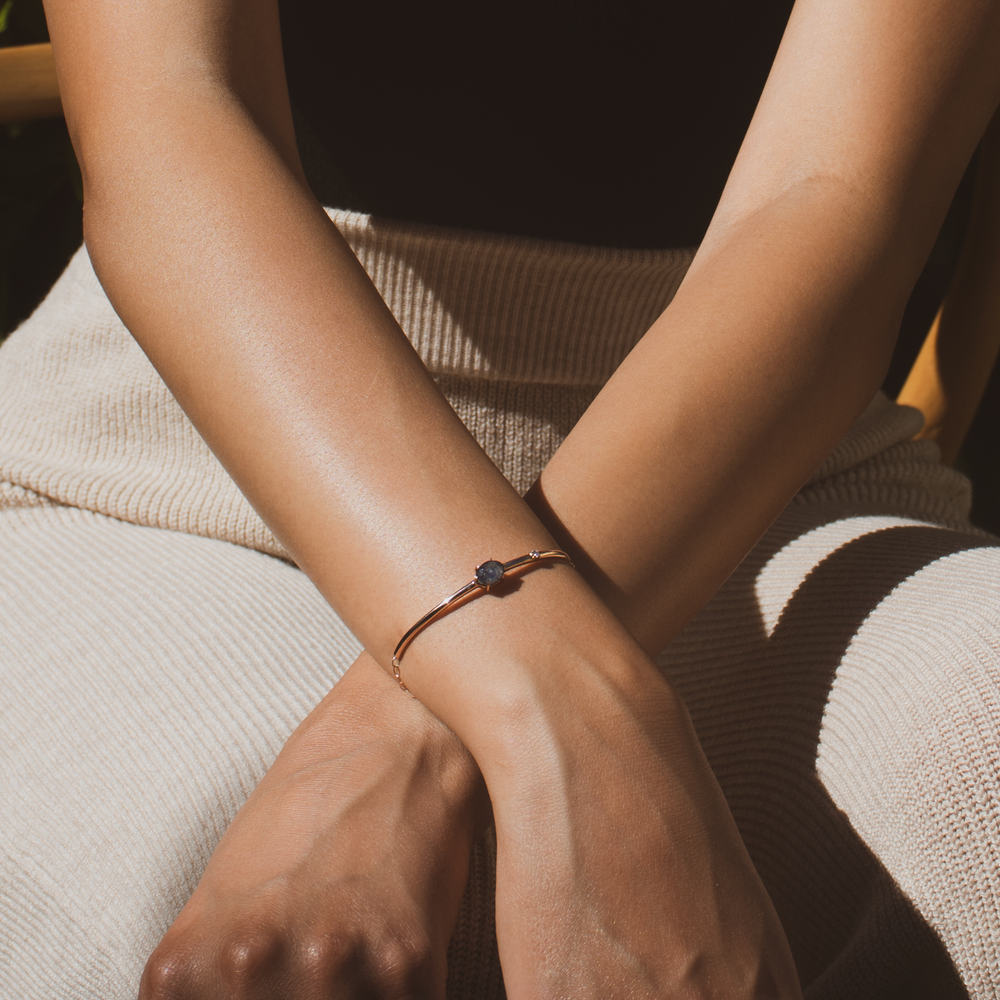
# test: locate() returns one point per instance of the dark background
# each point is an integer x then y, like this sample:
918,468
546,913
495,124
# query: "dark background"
40,193
41,227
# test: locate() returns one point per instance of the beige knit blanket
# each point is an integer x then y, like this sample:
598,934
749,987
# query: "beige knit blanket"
844,681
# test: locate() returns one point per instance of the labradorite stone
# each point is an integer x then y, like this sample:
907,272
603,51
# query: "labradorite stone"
489,573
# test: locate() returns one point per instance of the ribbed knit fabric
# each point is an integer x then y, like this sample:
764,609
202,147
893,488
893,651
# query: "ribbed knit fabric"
845,681
501,321
845,684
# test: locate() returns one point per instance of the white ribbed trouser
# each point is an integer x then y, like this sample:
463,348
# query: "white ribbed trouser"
155,650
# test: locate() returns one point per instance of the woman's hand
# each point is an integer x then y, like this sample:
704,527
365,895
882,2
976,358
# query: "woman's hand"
342,874
620,872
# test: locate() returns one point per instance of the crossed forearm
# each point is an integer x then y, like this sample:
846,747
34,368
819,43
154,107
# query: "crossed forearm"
729,403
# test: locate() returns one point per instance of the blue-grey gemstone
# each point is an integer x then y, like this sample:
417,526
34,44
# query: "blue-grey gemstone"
489,573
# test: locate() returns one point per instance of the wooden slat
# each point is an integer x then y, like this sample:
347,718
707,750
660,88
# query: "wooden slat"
950,374
28,87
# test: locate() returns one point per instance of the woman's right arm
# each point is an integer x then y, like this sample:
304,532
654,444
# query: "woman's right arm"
261,321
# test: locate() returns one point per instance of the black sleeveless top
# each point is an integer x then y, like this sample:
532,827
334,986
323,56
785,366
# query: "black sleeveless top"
593,122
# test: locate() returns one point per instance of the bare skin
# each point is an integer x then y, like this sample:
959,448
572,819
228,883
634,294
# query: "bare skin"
271,336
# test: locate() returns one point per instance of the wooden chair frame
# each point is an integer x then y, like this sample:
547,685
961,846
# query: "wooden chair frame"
28,86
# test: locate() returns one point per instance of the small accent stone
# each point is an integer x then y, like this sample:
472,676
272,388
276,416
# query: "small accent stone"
489,573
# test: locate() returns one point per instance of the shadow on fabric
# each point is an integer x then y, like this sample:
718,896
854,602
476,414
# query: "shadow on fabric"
758,704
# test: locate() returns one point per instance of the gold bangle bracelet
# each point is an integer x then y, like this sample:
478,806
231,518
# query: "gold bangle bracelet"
488,574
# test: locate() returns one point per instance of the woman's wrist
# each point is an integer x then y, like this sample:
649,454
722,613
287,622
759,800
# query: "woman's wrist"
533,657
365,710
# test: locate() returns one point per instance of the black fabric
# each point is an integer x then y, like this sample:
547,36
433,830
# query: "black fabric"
593,122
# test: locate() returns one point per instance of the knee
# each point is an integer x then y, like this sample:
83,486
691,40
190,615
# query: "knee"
909,744
912,722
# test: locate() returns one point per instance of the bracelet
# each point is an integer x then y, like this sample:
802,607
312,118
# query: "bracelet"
488,574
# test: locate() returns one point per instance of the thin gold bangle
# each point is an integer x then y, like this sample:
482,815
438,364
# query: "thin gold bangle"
488,574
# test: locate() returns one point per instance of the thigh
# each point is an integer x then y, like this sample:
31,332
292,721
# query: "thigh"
846,686
910,744
148,679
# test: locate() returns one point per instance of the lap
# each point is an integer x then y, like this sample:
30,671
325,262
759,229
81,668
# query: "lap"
845,683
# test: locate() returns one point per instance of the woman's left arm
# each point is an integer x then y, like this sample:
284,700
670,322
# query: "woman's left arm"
783,328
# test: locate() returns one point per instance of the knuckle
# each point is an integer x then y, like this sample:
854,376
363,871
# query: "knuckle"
395,967
168,975
250,952
329,955
400,965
